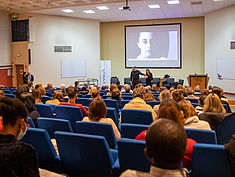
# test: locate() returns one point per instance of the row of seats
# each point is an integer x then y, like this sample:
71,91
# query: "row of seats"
90,155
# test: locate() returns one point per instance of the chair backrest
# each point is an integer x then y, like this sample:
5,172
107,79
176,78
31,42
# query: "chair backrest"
7,91
112,103
44,110
70,113
143,80
106,96
86,155
123,102
156,80
225,107
31,122
40,140
153,103
170,80
202,136
53,125
84,101
127,97
210,160
66,99
225,129
194,104
87,96
131,155
127,80
126,94
132,130
45,98
112,113
192,100
97,128
136,116
10,95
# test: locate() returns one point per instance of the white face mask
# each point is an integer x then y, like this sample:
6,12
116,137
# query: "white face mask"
21,134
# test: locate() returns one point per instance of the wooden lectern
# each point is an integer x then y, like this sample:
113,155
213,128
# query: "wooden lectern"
201,80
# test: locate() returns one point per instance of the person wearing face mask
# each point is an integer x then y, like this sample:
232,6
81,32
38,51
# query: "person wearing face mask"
16,158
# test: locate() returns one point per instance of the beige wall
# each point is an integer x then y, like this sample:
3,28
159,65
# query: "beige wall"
113,47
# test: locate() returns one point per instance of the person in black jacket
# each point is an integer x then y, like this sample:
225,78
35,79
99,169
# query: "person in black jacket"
149,77
135,77
230,148
25,78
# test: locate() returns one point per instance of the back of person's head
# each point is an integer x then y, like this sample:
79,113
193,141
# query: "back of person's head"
127,88
179,86
189,91
138,85
76,83
49,84
149,97
162,88
205,92
187,109
40,84
42,90
28,100
71,91
170,109
94,92
165,94
154,87
197,88
36,86
1,93
212,103
62,87
166,144
58,95
11,110
177,95
37,94
210,87
97,110
86,85
202,99
22,89
139,92
115,94
218,91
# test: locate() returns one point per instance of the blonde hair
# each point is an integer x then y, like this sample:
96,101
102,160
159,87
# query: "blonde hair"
164,95
212,103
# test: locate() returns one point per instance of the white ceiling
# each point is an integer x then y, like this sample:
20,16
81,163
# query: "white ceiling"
139,8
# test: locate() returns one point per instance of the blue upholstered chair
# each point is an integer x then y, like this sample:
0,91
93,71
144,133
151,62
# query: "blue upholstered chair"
7,91
153,103
30,121
10,95
87,96
126,97
192,100
97,128
194,104
112,113
131,155
202,136
85,155
143,80
53,125
106,96
66,99
45,110
210,160
126,94
45,98
84,101
112,103
70,113
225,129
41,141
136,116
225,107
123,102
132,130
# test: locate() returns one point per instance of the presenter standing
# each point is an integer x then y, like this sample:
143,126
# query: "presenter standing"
135,77
149,77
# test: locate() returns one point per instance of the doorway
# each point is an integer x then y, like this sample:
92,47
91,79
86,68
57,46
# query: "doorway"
19,74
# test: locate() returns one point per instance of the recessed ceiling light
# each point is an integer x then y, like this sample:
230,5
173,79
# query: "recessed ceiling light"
154,6
102,7
173,2
67,10
217,0
120,8
89,11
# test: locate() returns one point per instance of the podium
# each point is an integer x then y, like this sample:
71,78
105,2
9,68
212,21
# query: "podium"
201,80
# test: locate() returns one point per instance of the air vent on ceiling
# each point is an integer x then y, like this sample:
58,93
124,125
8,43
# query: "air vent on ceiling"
232,45
196,3
62,48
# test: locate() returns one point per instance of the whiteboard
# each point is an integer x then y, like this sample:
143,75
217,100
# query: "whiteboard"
73,68
226,68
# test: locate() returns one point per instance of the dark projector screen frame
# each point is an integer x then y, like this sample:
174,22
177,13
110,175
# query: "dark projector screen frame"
179,49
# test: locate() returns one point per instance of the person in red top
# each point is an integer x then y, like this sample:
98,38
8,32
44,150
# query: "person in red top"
72,94
169,109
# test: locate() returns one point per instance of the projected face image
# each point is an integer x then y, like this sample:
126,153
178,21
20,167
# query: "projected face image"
144,45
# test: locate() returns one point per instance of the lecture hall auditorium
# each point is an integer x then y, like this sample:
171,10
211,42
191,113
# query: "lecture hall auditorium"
69,105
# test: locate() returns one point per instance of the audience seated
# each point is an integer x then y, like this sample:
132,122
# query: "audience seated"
37,96
112,87
191,119
199,108
169,109
138,103
22,89
127,89
230,148
165,147
149,97
154,88
189,93
49,87
197,89
212,103
177,95
97,113
116,95
56,99
29,102
72,94
17,158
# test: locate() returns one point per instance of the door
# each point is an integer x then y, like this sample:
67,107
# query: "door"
19,74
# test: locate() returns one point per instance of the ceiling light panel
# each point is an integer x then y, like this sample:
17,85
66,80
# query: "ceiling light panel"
67,10
173,2
154,6
102,7
89,11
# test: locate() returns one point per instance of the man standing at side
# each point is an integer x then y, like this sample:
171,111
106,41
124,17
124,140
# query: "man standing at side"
165,148
135,77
